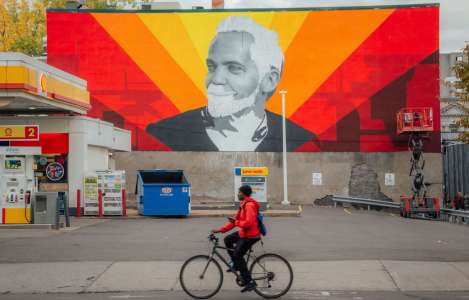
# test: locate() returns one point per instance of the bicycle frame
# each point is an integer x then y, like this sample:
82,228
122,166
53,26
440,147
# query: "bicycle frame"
215,253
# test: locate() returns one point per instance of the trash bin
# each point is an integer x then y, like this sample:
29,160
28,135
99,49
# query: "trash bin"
163,193
44,207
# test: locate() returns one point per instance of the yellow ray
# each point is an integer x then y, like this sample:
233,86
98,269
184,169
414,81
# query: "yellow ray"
201,27
287,24
172,35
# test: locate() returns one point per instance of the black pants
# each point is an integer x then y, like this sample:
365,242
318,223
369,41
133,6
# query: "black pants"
240,246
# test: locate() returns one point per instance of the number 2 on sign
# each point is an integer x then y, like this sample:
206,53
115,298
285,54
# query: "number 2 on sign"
31,132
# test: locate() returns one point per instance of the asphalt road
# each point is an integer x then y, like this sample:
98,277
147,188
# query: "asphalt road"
319,234
293,295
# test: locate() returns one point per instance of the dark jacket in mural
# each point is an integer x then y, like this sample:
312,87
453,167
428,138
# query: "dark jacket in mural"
186,132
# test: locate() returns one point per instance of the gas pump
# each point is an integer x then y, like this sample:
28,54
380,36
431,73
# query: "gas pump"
16,185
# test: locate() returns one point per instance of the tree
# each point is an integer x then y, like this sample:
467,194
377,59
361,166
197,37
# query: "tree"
462,73
23,22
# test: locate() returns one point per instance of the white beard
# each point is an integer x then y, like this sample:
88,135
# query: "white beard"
222,103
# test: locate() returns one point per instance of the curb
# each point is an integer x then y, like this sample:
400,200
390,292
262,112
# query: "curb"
207,213
228,213
27,226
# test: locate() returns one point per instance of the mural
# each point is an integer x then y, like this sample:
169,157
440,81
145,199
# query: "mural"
210,81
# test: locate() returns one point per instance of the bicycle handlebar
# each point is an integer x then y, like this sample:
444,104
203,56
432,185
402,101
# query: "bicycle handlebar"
212,237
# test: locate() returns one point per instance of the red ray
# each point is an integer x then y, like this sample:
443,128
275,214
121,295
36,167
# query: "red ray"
118,87
397,45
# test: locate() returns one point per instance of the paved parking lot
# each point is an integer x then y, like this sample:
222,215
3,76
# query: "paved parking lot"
321,233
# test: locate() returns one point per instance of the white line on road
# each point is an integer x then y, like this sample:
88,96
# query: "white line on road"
129,296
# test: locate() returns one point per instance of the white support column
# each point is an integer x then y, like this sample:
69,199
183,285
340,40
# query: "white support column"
77,159
284,136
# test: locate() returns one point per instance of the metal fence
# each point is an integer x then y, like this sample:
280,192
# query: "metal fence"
365,202
455,171
450,215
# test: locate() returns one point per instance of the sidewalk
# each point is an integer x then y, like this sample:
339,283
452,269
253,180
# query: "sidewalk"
276,211
366,275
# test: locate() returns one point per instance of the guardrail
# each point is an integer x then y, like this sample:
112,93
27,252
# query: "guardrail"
451,215
363,201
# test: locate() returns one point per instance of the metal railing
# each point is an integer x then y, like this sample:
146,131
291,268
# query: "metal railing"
363,201
451,215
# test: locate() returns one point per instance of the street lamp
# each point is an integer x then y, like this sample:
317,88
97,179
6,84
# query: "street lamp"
284,136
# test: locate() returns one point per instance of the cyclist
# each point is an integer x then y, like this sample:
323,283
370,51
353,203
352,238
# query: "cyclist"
243,239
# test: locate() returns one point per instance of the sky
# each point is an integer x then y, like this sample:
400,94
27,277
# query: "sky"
454,14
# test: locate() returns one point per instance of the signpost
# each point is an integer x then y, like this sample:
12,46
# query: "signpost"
256,177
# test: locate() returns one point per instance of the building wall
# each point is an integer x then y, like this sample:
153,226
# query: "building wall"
98,158
347,72
451,108
211,173
447,75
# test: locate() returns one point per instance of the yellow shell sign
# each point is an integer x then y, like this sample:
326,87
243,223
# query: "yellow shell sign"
43,82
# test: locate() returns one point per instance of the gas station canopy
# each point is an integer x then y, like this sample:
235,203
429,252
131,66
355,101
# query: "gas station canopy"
29,86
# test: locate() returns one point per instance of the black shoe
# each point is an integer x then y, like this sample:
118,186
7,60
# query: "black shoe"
249,287
231,270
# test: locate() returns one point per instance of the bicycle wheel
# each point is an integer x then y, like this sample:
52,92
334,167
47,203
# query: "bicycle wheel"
273,275
201,277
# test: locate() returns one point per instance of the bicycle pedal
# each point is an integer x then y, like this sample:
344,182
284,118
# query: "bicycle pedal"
240,282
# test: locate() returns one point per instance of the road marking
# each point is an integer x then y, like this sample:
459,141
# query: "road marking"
129,296
347,211
325,294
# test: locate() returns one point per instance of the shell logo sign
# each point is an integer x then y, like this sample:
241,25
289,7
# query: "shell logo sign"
218,3
43,83
19,133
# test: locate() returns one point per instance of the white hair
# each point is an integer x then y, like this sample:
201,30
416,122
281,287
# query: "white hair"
265,50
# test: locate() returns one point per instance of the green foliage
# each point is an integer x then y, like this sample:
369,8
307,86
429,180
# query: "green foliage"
23,22
462,73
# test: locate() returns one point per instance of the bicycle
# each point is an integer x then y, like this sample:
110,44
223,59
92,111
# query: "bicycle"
201,276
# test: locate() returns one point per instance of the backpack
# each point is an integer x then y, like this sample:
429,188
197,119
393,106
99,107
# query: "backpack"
260,223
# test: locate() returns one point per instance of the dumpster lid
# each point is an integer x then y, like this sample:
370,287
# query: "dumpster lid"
160,176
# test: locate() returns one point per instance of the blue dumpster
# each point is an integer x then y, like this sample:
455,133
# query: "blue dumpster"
163,193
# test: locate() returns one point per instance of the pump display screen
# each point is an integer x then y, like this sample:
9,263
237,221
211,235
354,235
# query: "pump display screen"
13,164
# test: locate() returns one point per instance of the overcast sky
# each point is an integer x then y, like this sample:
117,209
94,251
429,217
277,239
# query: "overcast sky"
454,14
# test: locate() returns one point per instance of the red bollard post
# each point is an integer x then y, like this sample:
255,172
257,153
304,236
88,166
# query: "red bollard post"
78,212
124,203
100,204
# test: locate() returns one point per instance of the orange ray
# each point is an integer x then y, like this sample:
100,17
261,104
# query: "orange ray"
145,50
325,40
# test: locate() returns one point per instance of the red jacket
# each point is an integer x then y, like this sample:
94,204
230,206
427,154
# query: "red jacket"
245,219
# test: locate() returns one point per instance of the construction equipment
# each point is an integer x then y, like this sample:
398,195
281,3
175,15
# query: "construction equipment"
417,123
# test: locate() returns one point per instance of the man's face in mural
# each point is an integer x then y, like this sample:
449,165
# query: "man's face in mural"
233,77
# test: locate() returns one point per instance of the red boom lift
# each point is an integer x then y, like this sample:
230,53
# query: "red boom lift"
417,123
